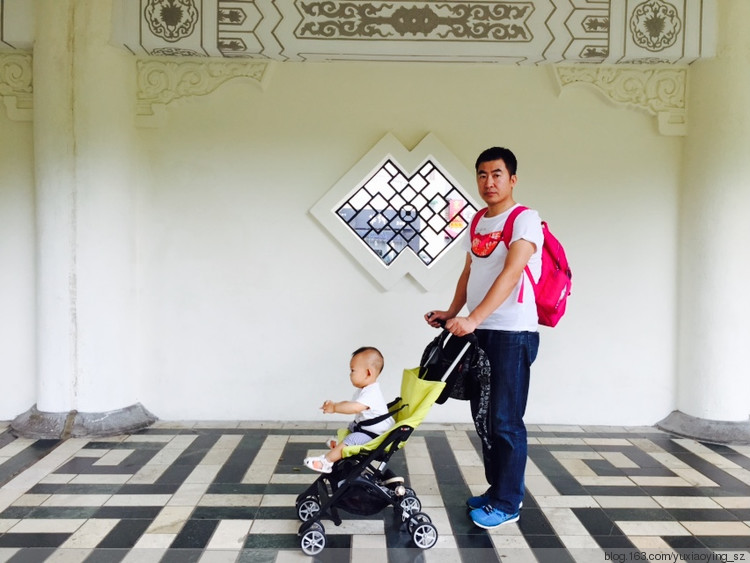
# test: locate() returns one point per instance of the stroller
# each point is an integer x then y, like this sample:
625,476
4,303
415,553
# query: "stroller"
361,482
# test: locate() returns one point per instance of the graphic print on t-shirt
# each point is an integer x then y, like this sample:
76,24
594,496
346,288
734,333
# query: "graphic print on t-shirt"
483,245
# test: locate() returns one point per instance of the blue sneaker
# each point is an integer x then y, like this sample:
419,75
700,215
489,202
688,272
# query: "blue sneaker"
489,517
478,502
483,500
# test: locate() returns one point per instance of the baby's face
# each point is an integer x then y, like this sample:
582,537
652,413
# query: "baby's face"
359,371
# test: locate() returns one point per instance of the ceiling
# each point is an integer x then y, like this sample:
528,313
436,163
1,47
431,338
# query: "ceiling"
520,32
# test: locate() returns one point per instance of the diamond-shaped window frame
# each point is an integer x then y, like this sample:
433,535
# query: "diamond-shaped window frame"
389,148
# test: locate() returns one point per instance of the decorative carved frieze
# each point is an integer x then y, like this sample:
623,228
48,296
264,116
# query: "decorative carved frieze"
16,85
658,91
160,81
646,35
519,32
512,32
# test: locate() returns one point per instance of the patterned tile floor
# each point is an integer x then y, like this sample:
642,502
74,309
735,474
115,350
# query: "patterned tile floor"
216,493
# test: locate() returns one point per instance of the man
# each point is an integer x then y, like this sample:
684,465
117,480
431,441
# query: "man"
502,313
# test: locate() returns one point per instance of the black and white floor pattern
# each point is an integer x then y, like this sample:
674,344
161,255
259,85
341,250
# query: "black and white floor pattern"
225,492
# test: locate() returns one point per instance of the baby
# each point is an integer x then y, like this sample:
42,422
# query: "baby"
366,404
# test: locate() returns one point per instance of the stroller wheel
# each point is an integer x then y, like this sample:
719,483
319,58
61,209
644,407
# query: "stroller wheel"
424,535
307,508
313,541
415,520
409,505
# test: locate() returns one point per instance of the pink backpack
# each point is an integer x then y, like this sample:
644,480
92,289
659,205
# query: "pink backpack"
552,289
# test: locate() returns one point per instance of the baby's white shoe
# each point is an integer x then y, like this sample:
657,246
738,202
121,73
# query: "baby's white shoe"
318,463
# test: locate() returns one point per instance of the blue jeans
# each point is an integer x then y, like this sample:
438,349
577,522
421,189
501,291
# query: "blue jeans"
511,355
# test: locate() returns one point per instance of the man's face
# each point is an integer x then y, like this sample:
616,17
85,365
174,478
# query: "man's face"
494,182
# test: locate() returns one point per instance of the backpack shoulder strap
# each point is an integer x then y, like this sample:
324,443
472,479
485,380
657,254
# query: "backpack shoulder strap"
509,222
507,235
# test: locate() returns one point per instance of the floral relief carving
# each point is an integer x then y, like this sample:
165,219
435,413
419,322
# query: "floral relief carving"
16,84
659,91
174,52
161,82
231,16
655,25
171,20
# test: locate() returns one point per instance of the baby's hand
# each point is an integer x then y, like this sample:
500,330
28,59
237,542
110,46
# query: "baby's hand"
328,407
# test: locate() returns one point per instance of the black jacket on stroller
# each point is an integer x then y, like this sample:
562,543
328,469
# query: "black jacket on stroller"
467,380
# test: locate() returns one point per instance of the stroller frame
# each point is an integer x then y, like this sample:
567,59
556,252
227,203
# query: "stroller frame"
368,471
365,470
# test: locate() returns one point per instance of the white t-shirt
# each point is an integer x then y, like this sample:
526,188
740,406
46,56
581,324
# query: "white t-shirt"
372,396
511,315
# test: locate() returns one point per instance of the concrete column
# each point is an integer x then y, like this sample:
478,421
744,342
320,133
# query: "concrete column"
84,150
55,177
714,306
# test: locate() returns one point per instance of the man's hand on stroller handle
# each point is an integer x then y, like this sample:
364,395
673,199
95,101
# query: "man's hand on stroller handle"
437,318
459,326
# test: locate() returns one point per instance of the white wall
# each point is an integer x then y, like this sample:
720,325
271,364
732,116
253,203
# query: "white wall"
248,309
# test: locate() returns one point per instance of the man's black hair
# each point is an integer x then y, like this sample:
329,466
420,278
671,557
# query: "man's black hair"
499,153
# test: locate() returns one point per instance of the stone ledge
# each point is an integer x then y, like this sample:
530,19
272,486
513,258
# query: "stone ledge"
61,425
703,430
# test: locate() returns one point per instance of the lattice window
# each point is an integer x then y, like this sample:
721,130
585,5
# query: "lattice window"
400,212
392,213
